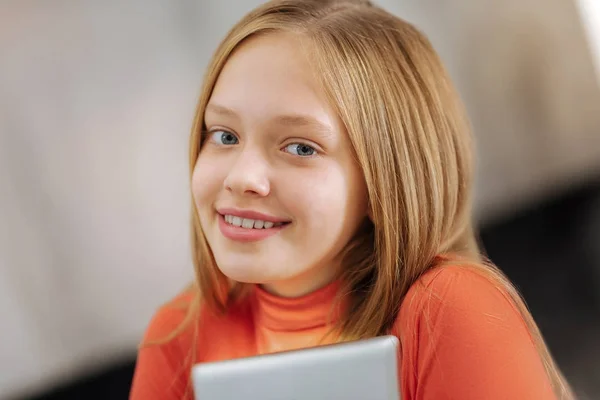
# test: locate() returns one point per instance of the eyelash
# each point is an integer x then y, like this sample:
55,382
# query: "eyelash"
210,136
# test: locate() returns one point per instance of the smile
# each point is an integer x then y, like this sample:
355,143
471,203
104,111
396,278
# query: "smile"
248,223
248,226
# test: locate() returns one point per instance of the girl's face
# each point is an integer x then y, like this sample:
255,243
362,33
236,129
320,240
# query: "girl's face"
276,186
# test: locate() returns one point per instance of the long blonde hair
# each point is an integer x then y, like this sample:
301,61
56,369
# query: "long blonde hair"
412,141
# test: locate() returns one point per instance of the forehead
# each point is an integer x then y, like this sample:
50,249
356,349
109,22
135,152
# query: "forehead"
271,75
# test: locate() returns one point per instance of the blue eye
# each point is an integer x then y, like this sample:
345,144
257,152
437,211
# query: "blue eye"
224,138
300,149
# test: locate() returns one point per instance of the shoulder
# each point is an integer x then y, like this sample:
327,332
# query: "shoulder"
171,318
463,336
182,333
461,291
163,359
186,326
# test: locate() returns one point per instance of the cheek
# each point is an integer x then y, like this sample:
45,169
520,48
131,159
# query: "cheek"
207,178
323,199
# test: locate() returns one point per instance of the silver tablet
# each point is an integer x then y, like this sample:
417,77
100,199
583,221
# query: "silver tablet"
360,370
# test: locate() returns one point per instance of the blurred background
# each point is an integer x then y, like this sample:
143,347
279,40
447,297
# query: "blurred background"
96,103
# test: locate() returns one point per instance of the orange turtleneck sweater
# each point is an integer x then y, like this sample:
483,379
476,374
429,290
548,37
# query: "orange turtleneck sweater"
461,338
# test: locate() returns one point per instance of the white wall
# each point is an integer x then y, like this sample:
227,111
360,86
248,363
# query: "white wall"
589,12
96,101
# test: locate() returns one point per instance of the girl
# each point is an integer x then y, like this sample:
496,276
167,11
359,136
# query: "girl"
331,181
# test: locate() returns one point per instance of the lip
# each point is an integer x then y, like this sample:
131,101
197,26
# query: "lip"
244,235
250,215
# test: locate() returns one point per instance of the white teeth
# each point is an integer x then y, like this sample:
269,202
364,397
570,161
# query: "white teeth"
250,223
237,221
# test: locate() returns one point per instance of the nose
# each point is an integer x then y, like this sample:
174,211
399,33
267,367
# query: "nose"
248,175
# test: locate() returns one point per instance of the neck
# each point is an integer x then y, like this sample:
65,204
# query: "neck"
301,285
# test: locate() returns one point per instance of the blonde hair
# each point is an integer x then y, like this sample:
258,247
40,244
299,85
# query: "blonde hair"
412,141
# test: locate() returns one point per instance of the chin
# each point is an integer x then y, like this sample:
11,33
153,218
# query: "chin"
254,273
242,273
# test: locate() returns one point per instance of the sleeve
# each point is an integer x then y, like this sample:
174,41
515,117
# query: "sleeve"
468,341
162,370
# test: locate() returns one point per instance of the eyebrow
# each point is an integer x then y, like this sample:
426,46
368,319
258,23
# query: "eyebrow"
291,120
220,110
